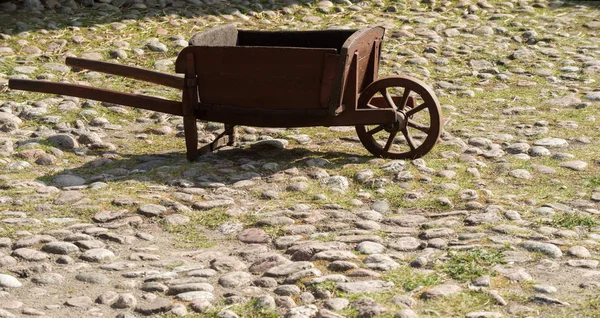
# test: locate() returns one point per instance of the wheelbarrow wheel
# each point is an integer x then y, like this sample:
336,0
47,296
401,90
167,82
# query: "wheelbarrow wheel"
419,122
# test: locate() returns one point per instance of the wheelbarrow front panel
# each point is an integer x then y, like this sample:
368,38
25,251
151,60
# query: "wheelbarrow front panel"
261,77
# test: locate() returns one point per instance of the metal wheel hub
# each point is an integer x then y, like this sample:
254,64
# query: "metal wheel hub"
399,124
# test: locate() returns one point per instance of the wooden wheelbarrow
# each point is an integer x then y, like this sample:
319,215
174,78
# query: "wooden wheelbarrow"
281,79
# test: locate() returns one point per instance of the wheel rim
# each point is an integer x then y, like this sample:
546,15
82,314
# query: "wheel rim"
419,124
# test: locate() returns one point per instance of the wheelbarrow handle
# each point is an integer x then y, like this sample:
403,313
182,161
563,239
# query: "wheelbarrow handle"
127,71
135,100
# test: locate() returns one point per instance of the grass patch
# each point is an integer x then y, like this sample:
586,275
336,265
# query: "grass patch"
471,264
410,279
572,220
594,182
460,304
189,236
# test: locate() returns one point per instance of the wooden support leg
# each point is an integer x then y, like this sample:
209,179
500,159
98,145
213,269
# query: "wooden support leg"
190,105
226,138
191,137
231,134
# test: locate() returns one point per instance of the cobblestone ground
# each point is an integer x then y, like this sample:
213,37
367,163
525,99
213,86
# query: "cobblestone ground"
102,216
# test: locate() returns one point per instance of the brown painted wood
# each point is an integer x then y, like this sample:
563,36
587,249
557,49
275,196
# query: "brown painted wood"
361,42
295,118
127,71
190,105
99,94
258,77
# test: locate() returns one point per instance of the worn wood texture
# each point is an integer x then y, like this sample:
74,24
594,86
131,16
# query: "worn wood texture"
99,94
127,71
258,77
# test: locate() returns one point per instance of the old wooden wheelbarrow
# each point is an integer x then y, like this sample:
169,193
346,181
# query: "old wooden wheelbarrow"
281,79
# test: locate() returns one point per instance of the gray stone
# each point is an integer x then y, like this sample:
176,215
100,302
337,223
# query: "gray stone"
368,286
302,312
235,279
125,300
80,302
30,254
595,96
287,269
68,180
92,278
441,291
551,142
336,303
545,248
98,255
405,244
576,165
155,306
62,248
7,281
406,313
195,295
579,251
151,210
570,100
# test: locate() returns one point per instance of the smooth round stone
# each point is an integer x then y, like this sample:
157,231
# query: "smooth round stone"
98,255
520,174
151,210
287,290
30,254
576,165
235,279
48,279
92,278
551,142
67,180
544,210
579,251
545,289
126,300
336,303
80,302
8,281
538,151
545,248
368,247
62,248
196,295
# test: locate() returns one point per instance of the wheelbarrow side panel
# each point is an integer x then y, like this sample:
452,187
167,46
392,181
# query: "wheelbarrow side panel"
259,77
364,46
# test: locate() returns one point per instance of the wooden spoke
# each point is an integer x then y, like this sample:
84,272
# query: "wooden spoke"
376,130
418,126
388,98
404,99
416,109
390,141
409,139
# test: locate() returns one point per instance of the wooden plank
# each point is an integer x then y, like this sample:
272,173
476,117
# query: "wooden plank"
127,71
259,77
360,42
99,94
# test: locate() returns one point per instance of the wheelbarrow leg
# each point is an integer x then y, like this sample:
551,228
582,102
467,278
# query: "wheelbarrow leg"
191,137
226,138
190,105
